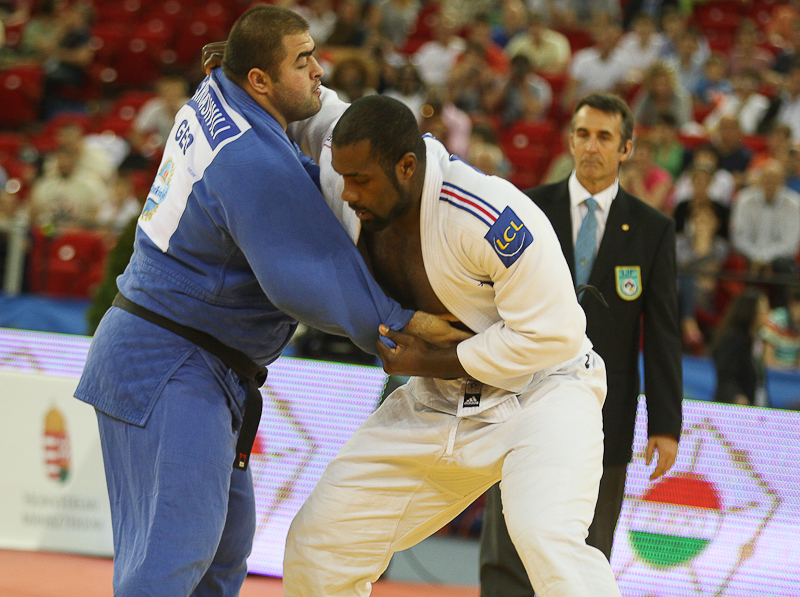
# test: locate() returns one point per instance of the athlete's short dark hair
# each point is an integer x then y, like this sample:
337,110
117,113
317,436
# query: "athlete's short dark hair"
609,103
389,126
256,41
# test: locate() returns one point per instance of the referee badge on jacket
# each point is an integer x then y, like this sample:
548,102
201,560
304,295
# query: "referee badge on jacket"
509,237
629,281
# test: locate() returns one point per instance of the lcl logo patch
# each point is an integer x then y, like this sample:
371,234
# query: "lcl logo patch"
509,237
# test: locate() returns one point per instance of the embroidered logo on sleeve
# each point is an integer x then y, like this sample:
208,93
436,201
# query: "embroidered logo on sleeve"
509,237
158,191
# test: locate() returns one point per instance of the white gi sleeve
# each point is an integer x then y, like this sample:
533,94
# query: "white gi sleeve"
541,322
311,136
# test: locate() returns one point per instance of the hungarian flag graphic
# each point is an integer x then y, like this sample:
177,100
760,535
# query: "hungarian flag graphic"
675,521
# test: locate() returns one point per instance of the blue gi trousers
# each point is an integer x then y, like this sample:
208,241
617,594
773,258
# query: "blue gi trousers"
183,518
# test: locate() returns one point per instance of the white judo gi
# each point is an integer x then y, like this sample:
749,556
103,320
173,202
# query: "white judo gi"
530,416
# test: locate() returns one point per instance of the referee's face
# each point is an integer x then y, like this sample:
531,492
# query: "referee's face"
596,145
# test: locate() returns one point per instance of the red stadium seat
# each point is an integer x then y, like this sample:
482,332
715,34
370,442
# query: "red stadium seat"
578,39
206,24
718,15
10,144
529,148
20,95
107,39
755,143
138,63
69,263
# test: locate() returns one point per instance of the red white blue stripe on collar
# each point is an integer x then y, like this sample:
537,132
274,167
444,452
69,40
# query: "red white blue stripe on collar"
470,203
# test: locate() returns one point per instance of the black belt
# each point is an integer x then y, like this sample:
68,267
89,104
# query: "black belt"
250,373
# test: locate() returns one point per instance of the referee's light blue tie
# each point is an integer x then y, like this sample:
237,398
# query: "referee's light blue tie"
586,245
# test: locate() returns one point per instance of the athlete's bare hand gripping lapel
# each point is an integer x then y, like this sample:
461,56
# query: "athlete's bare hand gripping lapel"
416,357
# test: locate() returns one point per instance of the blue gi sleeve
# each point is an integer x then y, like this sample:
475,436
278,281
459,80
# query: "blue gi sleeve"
302,257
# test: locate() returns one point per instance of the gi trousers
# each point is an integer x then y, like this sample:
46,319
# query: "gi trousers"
183,518
410,469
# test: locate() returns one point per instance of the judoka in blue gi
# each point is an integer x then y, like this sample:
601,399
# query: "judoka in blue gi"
236,241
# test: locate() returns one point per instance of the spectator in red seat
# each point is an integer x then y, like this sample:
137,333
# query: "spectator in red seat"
523,95
597,68
674,22
765,223
121,207
641,46
320,16
642,177
157,115
43,31
746,52
435,59
70,136
446,122
701,176
734,156
348,29
781,334
790,52
409,88
471,80
722,186
687,61
787,103
66,70
661,94
793,168
745,103
669,152
714,82
480,33
513,22
547,50
485,153
779,141
575,14
67,196
700,254
393,20
740,378
350,78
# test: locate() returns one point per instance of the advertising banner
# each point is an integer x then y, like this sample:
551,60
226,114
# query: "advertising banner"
53,492
726,520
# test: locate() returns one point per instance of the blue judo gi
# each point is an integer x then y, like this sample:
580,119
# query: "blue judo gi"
235,240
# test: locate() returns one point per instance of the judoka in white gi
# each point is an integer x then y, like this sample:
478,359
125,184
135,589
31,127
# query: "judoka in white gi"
524,404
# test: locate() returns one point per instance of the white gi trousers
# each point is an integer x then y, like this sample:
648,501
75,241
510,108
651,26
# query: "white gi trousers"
410,469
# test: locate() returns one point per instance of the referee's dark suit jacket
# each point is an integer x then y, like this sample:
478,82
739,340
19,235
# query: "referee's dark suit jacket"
636,235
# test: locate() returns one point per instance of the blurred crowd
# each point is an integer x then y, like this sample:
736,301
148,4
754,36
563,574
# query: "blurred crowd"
89,90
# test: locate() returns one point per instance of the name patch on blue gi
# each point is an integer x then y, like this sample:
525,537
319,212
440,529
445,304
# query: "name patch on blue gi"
509,237
216,123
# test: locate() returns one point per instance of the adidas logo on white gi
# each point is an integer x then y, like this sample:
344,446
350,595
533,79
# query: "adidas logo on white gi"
472,393
472,401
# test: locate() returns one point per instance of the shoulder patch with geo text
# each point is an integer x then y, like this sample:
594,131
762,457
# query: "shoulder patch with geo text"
509,237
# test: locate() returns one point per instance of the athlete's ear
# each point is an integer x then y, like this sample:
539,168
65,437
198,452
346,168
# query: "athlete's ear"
406,166
260,81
